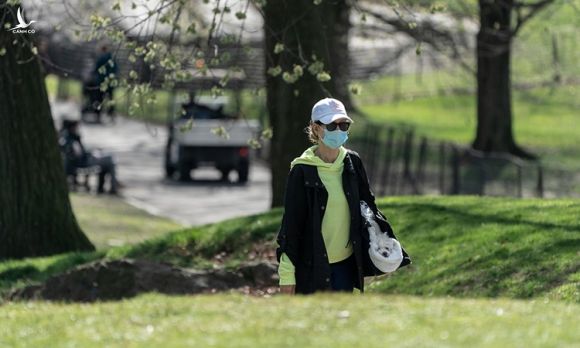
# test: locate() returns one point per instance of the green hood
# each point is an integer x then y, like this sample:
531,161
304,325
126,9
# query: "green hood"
309,158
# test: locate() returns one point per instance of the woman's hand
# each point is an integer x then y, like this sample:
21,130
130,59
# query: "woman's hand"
288,289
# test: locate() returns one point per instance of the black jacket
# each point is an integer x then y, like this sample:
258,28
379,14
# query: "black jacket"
300,235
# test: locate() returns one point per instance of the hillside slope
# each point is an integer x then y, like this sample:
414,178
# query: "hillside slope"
460,246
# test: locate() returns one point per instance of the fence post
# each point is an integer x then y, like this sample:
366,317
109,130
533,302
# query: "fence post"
384,179
519,181
540,187
366,141
455,184
407,155
372,155
482,174
366,154
442,168
398,157
421,165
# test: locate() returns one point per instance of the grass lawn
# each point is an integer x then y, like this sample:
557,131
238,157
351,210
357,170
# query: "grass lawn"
475,261
460,246
323,320
108,221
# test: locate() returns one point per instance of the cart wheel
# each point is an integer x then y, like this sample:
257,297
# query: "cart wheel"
225,174
184,173
243,171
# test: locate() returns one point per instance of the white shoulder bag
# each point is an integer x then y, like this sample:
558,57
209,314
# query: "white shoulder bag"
385,252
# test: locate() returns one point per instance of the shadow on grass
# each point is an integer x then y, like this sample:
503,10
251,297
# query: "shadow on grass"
472,218
508,256
37,270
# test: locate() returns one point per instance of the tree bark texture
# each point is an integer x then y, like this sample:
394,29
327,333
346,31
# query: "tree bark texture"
36,217
305,29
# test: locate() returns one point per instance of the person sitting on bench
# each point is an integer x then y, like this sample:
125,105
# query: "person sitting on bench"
76,156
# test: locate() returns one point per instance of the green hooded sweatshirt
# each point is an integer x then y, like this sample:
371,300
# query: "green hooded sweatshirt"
336,220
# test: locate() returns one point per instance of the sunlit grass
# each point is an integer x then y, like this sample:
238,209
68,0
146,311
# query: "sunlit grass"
460,246
324,320
109,221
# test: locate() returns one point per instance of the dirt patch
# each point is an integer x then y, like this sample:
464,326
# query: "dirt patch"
263,251
117,279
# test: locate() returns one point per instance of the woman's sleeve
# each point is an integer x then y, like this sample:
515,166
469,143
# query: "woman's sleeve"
294,218
286,271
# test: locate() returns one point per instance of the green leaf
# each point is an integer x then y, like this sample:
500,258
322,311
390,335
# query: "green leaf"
220,132
187,126
216,91
267,133
355,89
275,71
323,76
298,70
254,143
260,3
418,49
437,7
316,67
288,77
279,47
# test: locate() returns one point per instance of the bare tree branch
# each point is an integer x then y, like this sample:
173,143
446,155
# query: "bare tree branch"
424,31
533,8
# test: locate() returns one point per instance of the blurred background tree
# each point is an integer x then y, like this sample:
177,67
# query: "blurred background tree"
497,32
306,47
36,217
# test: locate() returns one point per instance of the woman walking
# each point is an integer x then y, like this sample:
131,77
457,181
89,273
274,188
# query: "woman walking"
321,246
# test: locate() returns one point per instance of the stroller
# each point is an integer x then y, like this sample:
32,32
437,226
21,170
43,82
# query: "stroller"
92,100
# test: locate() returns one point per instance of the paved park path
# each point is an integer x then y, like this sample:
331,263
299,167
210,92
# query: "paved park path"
138,149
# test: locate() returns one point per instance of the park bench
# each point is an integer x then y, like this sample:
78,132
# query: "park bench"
85,174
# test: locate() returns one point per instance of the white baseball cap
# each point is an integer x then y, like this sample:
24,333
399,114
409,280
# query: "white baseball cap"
329,110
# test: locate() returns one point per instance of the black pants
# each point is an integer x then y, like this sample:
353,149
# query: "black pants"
102,95
342,274
107,168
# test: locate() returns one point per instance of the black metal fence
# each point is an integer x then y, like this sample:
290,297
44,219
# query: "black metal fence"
400,162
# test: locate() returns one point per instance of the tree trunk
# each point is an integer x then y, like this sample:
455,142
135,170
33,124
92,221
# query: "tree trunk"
339,60
304,29
494,108
36,217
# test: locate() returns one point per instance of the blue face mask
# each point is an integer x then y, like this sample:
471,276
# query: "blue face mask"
335,138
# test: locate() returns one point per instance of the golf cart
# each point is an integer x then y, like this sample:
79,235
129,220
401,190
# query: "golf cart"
196,138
